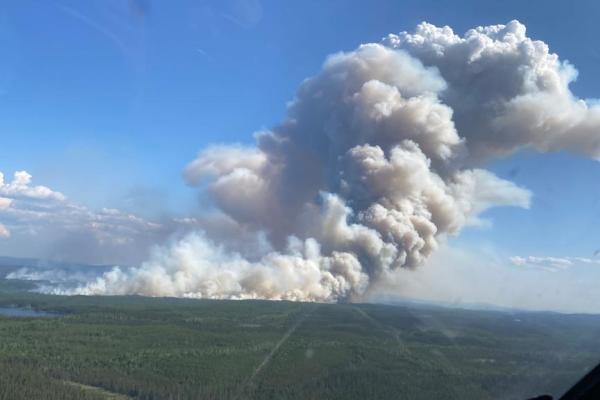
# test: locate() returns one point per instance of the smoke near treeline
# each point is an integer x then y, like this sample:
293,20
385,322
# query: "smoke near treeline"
381,156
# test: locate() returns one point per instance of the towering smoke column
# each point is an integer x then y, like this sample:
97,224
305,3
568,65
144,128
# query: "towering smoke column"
378,159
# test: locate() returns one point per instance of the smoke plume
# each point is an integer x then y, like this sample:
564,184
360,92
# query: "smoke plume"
380,157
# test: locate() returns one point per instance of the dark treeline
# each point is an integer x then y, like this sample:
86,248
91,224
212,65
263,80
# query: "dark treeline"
25,381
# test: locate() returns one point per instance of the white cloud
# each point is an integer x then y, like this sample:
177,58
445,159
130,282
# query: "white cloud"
5,202
4,232
41,222
20,187
551,263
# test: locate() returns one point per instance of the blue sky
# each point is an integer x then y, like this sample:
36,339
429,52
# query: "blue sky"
107,101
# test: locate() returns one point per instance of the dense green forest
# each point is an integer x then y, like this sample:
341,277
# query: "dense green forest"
150,348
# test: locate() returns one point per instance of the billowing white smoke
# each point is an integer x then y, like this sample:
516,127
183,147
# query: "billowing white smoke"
374,164
507,90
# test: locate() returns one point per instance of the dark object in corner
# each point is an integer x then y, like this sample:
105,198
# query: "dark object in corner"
588,388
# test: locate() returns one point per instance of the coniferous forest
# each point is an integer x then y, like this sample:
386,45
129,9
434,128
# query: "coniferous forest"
163,348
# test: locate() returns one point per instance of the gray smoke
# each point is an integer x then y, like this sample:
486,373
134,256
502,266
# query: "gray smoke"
507,91
378,160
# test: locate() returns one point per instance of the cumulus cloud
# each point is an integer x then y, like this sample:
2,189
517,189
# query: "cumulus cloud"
5,202
552,264
4,232
46,224
20,188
